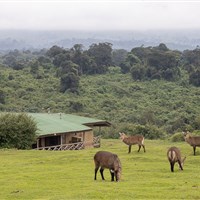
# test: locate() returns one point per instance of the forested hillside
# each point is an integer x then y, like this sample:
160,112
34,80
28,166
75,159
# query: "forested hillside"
149,90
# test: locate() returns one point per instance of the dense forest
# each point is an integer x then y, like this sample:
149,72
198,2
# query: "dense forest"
150,90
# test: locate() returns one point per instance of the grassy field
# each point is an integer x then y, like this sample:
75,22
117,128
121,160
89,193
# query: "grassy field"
61,175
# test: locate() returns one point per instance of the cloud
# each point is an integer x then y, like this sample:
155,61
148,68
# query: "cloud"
99,15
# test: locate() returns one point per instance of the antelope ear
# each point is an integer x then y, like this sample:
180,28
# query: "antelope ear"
120,133
184,133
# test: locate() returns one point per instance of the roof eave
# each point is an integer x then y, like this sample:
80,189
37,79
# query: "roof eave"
60,133
103,123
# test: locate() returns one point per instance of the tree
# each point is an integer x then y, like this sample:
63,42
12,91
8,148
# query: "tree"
61,58
79,57
77,51
2,97
133,59
162,47
102,55
119,56
138,72
141,53
43,60
69,81
169,74
18,65
194,78
69,66
87,65
55,50
17,131
192,57
9,60
125,67
76,106
34,67
158,63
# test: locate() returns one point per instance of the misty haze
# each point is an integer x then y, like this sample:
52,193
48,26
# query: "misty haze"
174,39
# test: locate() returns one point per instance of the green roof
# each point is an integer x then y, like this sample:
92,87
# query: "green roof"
63,123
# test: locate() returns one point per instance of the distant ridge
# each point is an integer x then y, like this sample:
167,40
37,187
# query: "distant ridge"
27,39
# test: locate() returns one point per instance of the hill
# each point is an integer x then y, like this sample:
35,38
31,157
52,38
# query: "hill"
149,90
116,97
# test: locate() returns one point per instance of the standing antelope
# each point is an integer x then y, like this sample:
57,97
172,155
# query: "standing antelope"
105,159
131,140
174,155
193,141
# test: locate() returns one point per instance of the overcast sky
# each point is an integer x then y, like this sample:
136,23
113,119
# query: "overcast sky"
99,15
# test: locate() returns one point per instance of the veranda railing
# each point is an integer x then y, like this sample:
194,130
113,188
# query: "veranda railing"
72,146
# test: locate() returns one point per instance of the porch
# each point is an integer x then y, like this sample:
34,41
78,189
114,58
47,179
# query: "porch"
72,146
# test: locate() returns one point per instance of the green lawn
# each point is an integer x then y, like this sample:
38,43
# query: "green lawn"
70,174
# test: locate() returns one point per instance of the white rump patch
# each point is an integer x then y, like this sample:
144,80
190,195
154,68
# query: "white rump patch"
172,155
143,140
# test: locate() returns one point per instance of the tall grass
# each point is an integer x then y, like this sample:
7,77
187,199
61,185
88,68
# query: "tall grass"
70,174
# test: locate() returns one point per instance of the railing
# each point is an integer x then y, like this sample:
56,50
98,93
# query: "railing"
72,146
97,141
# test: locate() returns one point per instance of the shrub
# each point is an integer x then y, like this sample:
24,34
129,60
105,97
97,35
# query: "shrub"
177,137
149,131
17,131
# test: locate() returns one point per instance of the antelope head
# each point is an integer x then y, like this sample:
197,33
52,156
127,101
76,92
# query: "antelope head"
122,135
186,134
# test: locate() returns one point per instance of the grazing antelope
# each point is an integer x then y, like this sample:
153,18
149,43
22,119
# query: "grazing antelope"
193,141
174,155
131,140
105,159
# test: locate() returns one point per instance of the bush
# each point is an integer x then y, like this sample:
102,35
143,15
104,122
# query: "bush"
177,137
149,131
17,131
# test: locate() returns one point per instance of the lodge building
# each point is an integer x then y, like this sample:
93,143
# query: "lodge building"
58,131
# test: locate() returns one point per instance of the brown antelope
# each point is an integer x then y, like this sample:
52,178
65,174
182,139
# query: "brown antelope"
174,155
110,161
193,141
131,140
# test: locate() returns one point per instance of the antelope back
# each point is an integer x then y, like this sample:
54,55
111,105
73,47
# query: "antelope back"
136,139
107,159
